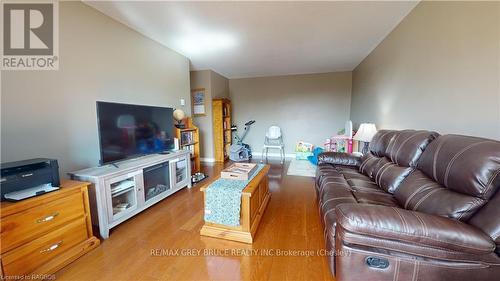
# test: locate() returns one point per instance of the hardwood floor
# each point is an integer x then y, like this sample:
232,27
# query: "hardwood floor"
163,242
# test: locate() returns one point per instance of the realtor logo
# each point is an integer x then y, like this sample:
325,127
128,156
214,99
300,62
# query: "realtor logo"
30,35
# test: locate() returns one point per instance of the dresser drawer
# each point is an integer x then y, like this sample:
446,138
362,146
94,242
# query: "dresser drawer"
25,259
29,224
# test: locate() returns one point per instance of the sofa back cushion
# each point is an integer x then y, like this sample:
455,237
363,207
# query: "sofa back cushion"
407,146
401,156
380,142
420,193
461,174
389,175
368,163
464,164
377,150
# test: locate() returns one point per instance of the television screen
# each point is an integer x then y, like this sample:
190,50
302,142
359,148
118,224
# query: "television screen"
127,130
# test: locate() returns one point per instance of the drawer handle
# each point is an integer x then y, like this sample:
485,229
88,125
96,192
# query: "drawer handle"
48,218
51,248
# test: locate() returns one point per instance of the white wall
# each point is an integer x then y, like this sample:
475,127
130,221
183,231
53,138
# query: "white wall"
438,70
53,114
310,107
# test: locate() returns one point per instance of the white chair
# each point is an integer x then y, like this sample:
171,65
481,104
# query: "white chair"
274,140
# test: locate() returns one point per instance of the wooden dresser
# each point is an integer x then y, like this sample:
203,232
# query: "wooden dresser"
42,234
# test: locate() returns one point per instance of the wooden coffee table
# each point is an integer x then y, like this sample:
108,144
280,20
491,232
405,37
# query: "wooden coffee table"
254,199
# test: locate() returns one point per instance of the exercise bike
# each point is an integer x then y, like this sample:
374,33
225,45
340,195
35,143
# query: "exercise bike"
240,151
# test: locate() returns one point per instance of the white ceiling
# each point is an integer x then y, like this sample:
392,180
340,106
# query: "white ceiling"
249,39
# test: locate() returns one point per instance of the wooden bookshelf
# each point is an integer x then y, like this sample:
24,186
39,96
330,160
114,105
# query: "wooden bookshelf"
221,111
189,138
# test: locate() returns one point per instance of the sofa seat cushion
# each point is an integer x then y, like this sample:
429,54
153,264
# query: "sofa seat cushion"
347,169
331,177
415,228
321,170
331,182
330,199
349,176
364,185
419,193
323,167
334,189
350,173
376,198
328,174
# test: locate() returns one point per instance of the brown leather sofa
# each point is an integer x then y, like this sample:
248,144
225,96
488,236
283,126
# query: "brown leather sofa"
418,206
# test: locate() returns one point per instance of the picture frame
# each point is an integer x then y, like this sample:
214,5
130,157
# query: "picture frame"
198,101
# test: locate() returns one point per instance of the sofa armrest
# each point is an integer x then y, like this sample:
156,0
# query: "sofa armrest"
339,158
412,227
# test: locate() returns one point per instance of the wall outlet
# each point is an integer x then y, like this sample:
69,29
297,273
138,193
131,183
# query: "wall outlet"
183,102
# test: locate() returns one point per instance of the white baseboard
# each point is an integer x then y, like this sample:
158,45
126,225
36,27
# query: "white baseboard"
207,160
274,154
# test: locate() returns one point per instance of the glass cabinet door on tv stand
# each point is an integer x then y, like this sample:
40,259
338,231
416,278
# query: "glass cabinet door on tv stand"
123,192
180,172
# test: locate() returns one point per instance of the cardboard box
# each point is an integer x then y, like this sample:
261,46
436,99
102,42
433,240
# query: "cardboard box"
239,171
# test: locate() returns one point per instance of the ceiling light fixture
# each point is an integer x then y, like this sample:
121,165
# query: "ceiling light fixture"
204,42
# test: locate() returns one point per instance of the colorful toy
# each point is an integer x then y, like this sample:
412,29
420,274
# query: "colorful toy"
303,150
342,142
314,158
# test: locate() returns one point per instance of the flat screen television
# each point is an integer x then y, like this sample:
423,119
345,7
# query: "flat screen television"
128,130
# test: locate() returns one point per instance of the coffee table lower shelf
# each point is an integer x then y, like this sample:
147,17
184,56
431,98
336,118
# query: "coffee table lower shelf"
254,200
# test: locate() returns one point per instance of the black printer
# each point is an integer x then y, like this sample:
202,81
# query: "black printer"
28,178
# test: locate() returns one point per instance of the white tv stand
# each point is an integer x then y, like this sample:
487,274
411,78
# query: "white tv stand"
120,191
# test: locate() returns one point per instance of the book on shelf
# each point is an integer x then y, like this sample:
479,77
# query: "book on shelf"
190,148
187,137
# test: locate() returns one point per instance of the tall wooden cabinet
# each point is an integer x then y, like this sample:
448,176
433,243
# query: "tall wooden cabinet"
221,111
